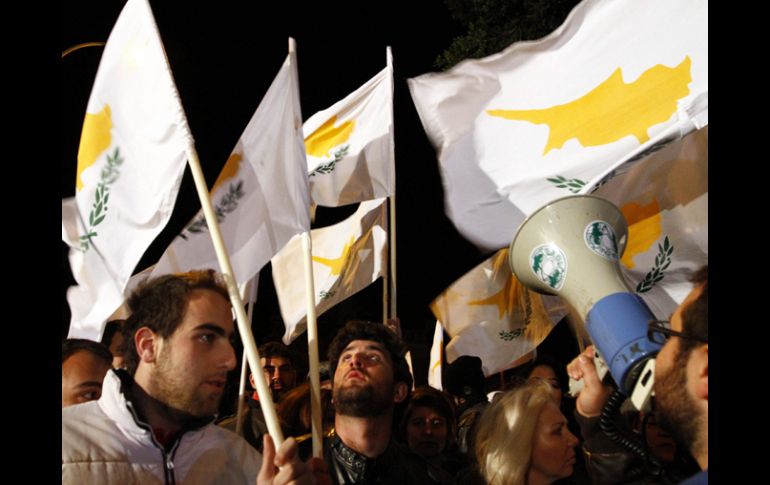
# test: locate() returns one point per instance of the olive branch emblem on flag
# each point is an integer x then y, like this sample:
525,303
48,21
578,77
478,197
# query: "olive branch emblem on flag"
226,205
328,167
574,185
662,261
108,176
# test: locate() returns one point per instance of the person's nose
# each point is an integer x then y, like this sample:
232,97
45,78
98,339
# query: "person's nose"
572,440
229,357
357,361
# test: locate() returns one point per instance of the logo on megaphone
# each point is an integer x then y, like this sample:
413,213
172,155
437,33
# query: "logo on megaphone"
571,248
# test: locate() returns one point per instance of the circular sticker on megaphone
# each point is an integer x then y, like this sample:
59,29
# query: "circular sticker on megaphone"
600,238
549,264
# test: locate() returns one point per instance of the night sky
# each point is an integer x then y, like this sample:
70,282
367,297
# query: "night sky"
223,56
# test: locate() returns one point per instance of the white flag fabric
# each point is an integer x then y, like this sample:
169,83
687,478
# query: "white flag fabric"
130,163
347,257
349,146
542,119
260,197
434,368
664,198
490,314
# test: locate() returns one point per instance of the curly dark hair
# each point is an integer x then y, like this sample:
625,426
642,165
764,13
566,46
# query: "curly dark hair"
376,332
72,345
277,349
161,303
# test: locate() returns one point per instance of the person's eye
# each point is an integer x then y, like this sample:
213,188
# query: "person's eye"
90,396
346,357
375,357
207,338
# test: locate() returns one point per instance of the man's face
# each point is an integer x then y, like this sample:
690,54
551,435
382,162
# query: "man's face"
280,374
363,381
676,409
81,378
426,431
116,348
192,364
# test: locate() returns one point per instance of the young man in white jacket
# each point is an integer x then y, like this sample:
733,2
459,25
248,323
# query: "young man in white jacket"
154,420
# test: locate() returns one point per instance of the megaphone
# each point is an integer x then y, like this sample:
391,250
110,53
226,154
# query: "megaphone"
571,248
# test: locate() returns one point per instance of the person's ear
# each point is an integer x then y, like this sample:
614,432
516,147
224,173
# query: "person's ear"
400,392
147,344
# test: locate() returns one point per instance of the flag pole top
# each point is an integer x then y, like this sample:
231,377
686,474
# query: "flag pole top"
389,56
292,45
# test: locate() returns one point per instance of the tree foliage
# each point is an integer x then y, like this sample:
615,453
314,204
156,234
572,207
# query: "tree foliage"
493,25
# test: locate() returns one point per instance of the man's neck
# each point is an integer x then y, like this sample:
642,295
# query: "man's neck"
366,436
166,422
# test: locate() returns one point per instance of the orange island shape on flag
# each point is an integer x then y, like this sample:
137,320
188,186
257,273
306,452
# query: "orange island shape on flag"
612,110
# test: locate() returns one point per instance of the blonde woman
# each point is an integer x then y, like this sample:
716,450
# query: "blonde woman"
523,439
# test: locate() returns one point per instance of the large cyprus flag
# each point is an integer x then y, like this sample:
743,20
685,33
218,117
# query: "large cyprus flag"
347,257
350,146
545,119
130,164
260,197
490,314
664,198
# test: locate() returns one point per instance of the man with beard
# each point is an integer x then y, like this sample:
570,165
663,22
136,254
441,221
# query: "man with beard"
277,363
681,386
153,422
370,378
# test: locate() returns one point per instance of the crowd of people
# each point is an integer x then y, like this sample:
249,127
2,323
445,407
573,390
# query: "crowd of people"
141,407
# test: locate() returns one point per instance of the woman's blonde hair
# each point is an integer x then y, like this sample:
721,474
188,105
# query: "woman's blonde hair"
506,432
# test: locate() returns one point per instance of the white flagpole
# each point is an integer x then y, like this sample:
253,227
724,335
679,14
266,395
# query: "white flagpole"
244,327
312,327
252,288
392,198
385,278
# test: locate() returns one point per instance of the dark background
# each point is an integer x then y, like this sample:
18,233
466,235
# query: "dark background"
224,55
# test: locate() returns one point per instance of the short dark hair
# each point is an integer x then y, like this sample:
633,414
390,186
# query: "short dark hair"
72,345
110,329
161,303
695,316
547,360
276,349
436,400
376,332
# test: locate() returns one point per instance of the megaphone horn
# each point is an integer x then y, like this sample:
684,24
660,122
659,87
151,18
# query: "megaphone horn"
571,248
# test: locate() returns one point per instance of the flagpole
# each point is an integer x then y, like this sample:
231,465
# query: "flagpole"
392,198
385,278
312,327
252,287
244,327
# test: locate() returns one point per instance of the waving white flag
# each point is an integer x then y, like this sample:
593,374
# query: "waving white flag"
347,257
543,119
130,164
490,314
261,195
349,146
664,198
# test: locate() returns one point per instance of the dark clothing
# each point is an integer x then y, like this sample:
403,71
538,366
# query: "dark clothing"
253,426
396,466
608,462
701,478
466,426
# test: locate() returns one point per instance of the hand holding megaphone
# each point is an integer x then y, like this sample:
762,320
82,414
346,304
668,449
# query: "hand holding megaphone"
592,393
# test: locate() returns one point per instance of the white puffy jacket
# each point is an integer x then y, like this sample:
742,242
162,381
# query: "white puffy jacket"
104,442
